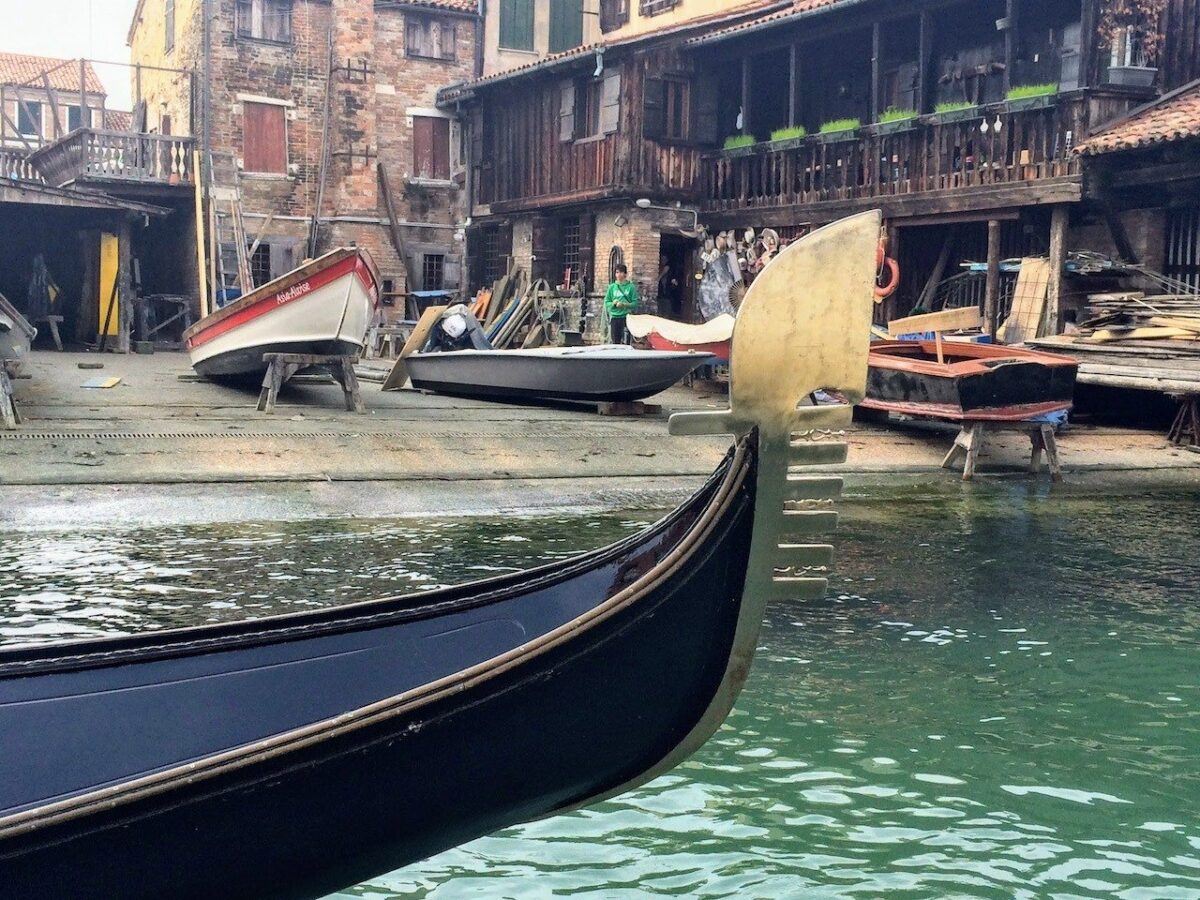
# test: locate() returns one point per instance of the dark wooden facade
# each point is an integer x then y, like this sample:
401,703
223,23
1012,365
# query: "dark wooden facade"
850,63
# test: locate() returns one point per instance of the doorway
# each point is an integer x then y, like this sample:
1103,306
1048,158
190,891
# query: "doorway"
676,267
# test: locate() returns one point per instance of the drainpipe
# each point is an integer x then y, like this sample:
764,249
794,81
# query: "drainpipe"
480,36
206,88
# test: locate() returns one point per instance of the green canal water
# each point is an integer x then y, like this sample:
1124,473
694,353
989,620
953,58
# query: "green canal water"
999,698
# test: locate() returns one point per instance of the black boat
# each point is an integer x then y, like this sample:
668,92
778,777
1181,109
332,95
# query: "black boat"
292,756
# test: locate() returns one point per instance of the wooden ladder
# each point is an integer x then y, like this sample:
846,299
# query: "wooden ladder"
231,257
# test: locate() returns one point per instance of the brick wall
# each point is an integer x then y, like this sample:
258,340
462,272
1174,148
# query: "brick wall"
371,121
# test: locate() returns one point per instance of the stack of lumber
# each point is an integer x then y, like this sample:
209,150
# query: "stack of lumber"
1134,318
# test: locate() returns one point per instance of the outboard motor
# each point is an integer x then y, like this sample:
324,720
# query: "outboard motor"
458,329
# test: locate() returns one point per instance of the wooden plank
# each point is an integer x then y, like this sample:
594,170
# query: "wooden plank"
399,374
397,235
946,320
1029,302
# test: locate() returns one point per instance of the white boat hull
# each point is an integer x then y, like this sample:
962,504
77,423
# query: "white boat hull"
324,307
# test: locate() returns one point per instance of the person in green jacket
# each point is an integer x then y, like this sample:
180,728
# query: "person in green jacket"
620,301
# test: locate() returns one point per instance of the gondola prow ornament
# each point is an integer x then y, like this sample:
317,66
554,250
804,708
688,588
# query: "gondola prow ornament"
295,755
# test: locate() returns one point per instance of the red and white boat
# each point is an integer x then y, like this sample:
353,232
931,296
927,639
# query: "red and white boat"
714,336
325,306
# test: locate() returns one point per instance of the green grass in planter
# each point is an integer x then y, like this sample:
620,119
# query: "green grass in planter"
787,134
840,125
953,106
1025,91
893,114
734,141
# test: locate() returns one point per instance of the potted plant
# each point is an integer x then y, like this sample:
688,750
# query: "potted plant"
1031,96
738,142
956,111
839,129
1131,29
791,136
894,119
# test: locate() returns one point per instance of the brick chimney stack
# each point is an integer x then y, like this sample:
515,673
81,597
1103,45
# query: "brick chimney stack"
354,144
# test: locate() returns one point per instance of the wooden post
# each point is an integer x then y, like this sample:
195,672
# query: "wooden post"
1010,42
1059,218
924,53
85,115
793,84
745,95
125,297
1088,61
876,46
201,269
991,297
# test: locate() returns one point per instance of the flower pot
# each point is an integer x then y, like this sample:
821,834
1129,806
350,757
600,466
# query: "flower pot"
1024,103
893,127
1132,76
833,137
958,115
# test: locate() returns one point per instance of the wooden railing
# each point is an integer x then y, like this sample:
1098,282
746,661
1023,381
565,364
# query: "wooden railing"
934,153
92,154
15,165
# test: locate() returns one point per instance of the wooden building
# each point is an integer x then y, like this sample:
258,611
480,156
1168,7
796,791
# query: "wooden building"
961,119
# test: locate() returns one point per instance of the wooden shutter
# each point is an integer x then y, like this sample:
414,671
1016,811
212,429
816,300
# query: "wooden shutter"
418,41
516,24
566,24
451,272
613,14
654,109
169,24
610,102
706,120
431,147
264,138
441,148
449,38
277,20
566,110
546,250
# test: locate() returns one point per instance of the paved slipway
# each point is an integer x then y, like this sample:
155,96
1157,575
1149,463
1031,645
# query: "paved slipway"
163,446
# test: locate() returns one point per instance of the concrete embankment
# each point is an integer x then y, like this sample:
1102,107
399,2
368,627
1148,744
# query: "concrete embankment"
161,443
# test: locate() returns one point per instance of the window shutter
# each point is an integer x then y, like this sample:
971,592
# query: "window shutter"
441,148
613,14
546,250
456,160
654,109
610,102
449,48
566,24
451,272
566,111
705,122
422,131
516,24
264,138
169,23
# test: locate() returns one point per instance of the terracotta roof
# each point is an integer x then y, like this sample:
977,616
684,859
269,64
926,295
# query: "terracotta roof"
795,10
118,120
463,6
23,68
553,59
1172,117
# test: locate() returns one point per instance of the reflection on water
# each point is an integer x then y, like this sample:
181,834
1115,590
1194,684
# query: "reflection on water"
1000,699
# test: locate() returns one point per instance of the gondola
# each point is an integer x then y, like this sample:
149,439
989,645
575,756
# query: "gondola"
292,756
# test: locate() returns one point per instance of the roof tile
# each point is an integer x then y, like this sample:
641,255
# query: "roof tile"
26,69
1173,117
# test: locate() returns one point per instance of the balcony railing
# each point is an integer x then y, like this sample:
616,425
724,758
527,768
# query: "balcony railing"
89,154
1034,141
15,165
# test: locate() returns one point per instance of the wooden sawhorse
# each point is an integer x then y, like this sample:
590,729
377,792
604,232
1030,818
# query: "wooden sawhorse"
282,366
9,413
53,322
970,439
1185,430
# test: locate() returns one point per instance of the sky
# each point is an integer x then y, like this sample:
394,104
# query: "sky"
95,29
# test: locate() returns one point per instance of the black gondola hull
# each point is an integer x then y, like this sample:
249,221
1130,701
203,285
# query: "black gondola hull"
582,716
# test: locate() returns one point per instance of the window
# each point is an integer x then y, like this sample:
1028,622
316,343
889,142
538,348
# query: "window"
265,20
74,119
431,147
497,247
433,271
264,138
566,24
427,37
260,264
613,14
29,118
654,7
676,102
571,257
587,107
169,24
516,24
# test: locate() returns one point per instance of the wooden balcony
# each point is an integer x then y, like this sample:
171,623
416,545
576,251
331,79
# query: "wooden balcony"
89,155
911,168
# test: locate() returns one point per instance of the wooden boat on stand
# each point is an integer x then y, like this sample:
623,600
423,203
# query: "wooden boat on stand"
292,756
714,336
959,381
324,307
